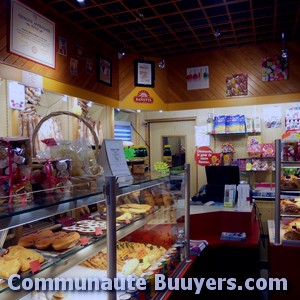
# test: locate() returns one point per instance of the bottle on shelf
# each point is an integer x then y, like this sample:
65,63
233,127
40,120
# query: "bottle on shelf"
210,123
180,244
167,155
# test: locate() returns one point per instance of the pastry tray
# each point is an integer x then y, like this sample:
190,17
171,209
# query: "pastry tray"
54,253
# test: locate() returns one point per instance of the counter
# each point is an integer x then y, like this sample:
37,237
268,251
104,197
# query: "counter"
226,259
208,222
284,263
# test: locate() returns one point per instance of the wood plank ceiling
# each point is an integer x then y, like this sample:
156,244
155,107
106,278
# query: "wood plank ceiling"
178,27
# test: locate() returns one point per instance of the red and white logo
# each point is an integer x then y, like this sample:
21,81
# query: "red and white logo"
143,96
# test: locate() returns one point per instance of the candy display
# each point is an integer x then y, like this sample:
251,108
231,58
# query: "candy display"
229,124
15,170
51,175
254,145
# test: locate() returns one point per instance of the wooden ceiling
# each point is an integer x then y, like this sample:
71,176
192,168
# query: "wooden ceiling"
178,27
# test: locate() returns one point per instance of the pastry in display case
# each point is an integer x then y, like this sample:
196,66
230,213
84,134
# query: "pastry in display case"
287,202
147,220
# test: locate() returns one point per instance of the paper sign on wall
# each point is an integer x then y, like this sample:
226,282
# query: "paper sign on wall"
16,95
201,136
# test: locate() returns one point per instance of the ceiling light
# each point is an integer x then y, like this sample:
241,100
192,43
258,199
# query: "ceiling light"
162,64
217,33
80,1
121,53
284,51
138,110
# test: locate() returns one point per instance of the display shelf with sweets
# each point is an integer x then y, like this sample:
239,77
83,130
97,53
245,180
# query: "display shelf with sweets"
287,207
137,238
15,170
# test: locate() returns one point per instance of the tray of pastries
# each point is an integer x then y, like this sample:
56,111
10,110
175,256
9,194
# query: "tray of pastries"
87,227
291,229
290,206
130,255
17,259
51,243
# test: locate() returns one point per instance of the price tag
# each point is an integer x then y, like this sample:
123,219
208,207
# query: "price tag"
127,221
84,240
98,231
35,266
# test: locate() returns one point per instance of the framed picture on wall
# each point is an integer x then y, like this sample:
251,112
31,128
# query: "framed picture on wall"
144,73
104,70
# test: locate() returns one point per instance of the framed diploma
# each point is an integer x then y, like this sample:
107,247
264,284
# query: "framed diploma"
32,36
144,73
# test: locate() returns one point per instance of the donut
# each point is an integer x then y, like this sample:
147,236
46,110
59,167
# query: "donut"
66,241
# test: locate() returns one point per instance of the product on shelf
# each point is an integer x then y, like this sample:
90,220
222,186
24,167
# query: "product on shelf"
254,145
130,256
290,182
135,208
66,241
29,240
268,150
288,206
45,242
86,226
52,175
47,239
292,230
15,170
26,256
9,266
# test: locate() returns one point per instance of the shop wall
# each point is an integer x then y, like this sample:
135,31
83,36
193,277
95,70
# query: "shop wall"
74,36
198,178
228,62
170,83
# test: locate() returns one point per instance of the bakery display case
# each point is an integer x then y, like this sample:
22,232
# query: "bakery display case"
287,197
111,231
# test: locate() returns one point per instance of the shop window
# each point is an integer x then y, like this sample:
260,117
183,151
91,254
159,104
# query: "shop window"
123,130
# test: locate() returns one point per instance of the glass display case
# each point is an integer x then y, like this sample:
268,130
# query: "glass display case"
287,201
122,231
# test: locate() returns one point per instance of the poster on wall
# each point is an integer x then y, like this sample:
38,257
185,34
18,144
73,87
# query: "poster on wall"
274,68
16,95
237,85
73,66
201,136
272,117
62,46
31,35
197,78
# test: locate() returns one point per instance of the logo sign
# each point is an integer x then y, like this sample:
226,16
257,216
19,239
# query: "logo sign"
203,156
143,96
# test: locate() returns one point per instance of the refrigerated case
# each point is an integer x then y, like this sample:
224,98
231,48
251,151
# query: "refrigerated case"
283,230
287,206
151,222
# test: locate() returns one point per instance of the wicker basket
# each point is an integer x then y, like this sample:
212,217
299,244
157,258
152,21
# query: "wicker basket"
80,182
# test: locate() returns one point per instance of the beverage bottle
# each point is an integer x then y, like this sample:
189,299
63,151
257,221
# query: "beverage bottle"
180,244
167,157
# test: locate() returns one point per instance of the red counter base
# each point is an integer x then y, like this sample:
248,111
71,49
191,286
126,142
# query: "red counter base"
209,226
285,263
224,259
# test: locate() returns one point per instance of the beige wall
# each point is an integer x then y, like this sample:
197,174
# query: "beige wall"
198,177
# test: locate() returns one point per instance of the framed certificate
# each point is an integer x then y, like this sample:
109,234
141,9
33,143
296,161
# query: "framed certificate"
32,36
144,73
